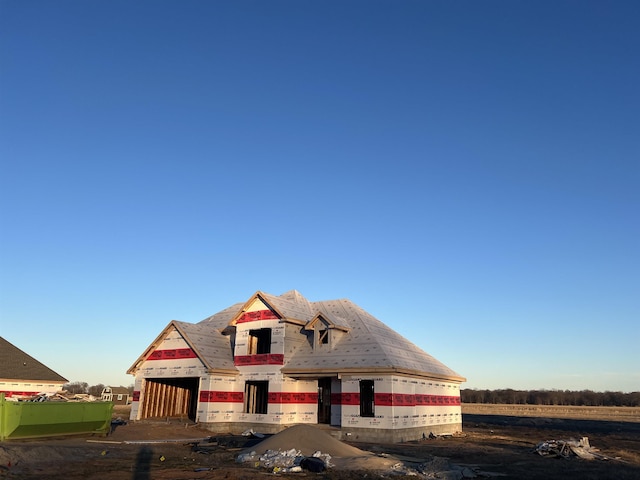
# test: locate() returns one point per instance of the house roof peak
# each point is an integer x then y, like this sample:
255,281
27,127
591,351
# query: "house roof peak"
18,365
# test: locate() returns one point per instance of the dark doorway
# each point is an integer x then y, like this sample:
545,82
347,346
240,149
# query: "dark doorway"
324,400
256,395
367,398
170,397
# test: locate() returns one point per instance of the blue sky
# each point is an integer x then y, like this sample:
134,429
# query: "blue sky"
466,171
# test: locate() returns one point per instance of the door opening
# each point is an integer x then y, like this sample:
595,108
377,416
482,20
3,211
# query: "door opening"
170,397
324,400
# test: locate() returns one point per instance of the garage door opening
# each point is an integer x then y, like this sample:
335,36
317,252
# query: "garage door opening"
170,397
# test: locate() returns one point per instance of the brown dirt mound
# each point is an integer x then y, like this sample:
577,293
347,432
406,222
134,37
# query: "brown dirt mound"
308,440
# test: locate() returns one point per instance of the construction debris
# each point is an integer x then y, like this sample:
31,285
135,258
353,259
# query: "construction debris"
568,448
287,461
252,433
304,447
61,396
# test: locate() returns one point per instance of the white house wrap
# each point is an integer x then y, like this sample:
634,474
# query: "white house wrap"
276,361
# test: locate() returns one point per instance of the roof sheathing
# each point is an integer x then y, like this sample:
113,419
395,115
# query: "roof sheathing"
18,365
212,347
222,319
369,345
291,305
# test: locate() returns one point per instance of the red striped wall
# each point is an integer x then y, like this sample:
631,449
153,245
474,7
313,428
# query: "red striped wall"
289,397
274,397
381,399
172,354
397,400
257,315
260,359
226,397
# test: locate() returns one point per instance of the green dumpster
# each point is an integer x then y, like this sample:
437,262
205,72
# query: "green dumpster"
45,419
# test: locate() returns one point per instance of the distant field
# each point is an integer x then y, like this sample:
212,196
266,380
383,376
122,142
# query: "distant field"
121,411
617,414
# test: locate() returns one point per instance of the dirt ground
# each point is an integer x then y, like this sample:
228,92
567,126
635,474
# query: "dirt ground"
491,446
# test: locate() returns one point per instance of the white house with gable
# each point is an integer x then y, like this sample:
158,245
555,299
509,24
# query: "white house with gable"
276,361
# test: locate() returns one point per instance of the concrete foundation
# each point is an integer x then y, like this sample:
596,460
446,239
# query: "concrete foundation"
365,435
382,435
237,428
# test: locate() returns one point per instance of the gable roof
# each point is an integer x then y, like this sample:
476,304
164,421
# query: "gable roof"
363,343
290,306
368,344
18,365
293,305
329,322
209,344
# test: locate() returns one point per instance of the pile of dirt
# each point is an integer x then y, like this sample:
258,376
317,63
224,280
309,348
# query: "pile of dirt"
308,440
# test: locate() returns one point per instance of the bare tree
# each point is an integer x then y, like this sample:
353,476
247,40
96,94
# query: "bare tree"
76,387
96,390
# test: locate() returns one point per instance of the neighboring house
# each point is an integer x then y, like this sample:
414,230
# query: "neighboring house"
276,361
22,376
117,395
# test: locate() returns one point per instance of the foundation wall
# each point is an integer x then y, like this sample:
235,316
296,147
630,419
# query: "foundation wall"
395,435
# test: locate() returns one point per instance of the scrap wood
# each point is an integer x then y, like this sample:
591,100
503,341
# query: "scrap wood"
48,397
567,448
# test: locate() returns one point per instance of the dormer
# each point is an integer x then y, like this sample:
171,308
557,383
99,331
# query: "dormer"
323,332
259,333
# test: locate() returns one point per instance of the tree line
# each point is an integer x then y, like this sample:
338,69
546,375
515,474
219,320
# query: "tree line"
587,398
84,388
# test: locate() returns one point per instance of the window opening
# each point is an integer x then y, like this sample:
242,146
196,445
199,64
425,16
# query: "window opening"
323,337
255,397
259,341
367,404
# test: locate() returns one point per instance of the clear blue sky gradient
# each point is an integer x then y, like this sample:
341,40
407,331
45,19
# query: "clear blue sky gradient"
468,172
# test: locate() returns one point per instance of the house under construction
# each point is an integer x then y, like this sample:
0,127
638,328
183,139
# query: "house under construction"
276,361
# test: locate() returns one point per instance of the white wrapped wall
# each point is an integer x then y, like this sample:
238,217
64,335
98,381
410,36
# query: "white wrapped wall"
401,402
